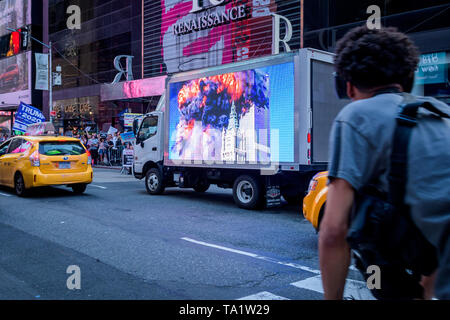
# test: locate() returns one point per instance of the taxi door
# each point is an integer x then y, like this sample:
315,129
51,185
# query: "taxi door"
3,151
10,160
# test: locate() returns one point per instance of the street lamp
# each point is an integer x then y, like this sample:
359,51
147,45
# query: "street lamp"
49,47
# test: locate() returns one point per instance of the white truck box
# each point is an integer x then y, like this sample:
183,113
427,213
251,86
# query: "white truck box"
260,126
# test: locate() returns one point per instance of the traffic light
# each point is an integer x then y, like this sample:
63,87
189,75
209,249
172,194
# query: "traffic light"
14,42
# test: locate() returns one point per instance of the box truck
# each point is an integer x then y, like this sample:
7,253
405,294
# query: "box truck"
260,127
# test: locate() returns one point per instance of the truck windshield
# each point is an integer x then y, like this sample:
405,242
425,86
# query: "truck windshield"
65,148
149,128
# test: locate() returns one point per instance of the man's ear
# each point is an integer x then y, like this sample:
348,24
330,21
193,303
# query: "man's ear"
351,91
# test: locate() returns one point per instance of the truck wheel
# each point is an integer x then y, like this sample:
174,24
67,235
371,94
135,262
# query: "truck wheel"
19,185
154,182
247,193
202,186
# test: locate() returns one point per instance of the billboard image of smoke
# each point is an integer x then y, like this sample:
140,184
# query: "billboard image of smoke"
222,118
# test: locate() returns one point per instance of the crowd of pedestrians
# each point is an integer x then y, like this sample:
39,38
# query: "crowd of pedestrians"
104,149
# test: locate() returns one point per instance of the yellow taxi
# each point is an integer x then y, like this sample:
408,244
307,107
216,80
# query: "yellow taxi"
36,161
314,202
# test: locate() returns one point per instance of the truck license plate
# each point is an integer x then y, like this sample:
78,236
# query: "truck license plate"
64,165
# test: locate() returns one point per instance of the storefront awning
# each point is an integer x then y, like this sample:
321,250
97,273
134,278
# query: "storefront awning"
149,87
8,107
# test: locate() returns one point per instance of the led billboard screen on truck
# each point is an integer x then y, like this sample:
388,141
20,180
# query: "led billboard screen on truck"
238,117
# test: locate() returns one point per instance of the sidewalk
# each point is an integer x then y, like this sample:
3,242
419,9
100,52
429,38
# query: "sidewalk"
111,174
107,167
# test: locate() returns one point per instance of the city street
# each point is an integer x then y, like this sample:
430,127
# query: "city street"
325,113
130,245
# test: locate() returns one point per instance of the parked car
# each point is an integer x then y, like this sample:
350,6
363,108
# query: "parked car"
314,202
10,76
35,161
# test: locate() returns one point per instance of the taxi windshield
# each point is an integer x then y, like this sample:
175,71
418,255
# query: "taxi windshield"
65,148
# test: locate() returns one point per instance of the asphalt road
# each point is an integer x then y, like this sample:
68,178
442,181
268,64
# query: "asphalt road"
130,245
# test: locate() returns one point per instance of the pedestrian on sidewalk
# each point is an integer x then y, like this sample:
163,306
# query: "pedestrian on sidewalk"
377,68
93,148
102,150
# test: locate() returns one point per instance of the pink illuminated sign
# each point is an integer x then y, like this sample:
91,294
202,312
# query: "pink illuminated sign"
220,33
133,89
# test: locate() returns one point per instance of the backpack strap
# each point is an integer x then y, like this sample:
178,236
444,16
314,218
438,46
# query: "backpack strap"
406,121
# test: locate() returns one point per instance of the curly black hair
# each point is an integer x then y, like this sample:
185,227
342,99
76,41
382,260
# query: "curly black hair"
372,58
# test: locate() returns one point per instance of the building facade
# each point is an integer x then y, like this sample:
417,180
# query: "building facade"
426,22
164,37
16,57
108,29
182,35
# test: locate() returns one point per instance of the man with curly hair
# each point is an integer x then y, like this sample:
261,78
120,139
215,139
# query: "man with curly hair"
378,67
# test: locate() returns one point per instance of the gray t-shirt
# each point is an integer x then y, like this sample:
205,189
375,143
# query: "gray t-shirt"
361,145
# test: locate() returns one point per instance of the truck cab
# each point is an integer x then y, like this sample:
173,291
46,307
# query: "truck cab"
149,147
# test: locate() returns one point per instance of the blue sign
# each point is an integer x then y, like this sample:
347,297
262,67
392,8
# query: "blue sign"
128,136
25,116
432,68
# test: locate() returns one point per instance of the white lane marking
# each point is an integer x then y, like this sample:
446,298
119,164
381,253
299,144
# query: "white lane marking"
5,195
253,255
93,185
265,295
354,289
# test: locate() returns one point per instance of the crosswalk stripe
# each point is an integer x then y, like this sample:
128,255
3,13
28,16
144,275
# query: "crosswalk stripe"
354,289
264,295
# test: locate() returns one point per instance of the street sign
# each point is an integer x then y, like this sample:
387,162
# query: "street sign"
57,78
129,118
128,136
42,82
432,69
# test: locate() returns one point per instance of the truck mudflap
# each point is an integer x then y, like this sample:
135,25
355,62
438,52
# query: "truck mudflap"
273,191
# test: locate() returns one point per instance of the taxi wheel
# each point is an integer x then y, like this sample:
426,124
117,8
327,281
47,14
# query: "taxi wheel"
79,188
321,213
19,185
